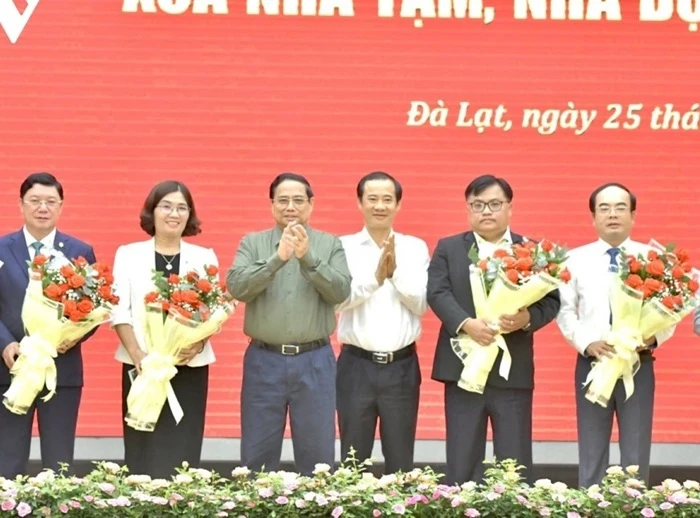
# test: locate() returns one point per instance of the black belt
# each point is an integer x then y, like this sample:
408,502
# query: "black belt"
291,349
382,358
644,356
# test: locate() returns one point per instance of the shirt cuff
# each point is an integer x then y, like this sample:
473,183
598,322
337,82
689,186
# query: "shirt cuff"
309,260
459,329
275,262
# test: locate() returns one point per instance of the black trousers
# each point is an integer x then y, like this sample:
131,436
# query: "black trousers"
367,391
159,452
466,415
634,420
58,419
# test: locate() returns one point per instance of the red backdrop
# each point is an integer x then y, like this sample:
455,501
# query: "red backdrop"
112,102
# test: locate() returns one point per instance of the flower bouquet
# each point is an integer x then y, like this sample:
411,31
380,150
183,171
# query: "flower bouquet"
181,311
64,301
652,293
511,279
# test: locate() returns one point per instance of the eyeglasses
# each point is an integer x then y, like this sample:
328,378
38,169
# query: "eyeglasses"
166,208
35,203
297,201
493,205
617,209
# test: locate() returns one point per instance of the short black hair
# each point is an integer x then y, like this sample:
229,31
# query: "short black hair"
46,179
597,191
161,190
378,175
481,183
293,177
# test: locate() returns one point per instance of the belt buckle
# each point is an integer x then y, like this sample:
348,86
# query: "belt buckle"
382,358
287,347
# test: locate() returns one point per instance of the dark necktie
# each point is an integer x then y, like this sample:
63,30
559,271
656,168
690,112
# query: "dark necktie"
37,246
613,253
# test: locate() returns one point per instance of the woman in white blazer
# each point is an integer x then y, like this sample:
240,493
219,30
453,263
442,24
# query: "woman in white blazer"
168,214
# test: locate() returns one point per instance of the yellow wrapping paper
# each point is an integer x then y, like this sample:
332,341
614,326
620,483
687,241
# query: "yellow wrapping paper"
165,339
46,329
634,321
505,298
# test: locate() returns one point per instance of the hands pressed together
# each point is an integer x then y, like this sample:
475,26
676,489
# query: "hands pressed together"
387,261
294,241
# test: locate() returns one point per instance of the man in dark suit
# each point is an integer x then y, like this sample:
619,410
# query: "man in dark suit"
508,403
41,200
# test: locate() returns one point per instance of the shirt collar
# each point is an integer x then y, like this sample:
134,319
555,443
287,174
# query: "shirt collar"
603,247
366,238
48,241
507,239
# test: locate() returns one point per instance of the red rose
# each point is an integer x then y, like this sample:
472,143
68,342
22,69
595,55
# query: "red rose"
547,246
634,281
212,270
105,292
635,266
177,297
654,285
53,291
678,300
81,262
512,276
483,264
500,254
677,272
85,306
682,255
77,281
655,268
521,252
530,245
668,302
174,279
509,262
686,267
524,264
76,316
204,285
190,297
151,297
69,307
67,271
192,277
565,275
693,285
39,260
652,255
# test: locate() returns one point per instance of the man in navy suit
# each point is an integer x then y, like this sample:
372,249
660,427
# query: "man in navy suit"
41,202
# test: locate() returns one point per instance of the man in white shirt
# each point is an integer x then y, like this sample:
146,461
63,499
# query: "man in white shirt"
584,319
378,372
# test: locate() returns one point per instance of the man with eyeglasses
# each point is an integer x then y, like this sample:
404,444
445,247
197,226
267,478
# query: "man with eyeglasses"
290,278
41,202
508,403
585,320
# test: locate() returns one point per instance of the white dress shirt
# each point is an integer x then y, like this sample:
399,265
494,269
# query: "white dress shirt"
384,318
584,316
48,241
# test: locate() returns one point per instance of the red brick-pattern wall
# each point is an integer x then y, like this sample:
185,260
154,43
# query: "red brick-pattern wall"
113,102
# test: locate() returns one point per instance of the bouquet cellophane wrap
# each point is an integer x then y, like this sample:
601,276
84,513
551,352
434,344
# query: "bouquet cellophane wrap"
505,298
633,322
165,339
46,329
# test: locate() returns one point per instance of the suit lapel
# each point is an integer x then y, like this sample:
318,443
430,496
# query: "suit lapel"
185,258
469,242
21,252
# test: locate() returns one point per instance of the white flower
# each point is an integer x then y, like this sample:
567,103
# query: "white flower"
616,470
157,483
469,486
133,480
309,496
559,487
634,483
672,485
379,499
111,467
202,473
594,489
182,478
691,484
45,476
343,472
387,480
321,468
240,472
632,470
544,483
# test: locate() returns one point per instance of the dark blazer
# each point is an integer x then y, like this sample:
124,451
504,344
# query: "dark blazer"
450,298
14,277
